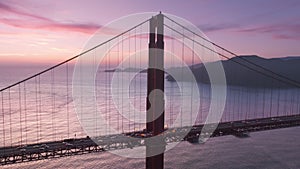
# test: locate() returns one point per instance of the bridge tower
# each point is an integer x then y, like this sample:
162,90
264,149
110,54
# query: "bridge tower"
155,88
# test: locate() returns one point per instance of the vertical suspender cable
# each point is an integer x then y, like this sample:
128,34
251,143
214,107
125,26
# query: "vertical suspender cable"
298,93
109,83
3,119
285,101
192,88
171,97
20,114
122,110
68,114
10,113
25,112
291,111
271,99
202,99
233,105
95,81
140,74
240,103
37,110
53,106
81,89
135,65
118,81
96,89
10,123
40,108
256,102
182,85
264,102
129,54
278,102
106,84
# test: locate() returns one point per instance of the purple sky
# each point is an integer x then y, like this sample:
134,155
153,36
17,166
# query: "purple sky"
51,31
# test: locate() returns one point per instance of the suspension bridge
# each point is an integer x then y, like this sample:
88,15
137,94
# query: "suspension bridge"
38,118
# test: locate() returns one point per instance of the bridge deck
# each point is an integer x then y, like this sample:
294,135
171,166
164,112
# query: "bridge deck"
68,147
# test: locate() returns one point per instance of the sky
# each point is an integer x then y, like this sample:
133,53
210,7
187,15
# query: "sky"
49,31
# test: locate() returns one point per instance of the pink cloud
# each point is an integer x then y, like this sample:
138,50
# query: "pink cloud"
4,8
31,21
290,30
218,27
278,31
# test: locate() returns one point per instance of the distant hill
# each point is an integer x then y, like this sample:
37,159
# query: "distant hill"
236,74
